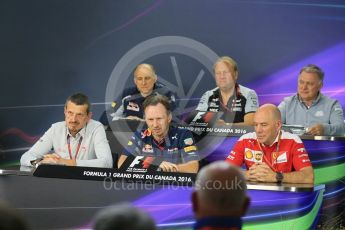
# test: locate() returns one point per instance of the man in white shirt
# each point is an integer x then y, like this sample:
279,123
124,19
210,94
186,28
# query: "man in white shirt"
77,141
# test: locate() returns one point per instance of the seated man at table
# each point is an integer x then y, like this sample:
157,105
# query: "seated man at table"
130,105
319,114
219,200
174,147
269,153
236,102
77,141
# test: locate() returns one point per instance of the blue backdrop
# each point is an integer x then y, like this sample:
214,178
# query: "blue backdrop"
51,49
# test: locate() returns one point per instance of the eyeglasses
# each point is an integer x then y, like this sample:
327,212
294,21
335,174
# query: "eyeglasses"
224,73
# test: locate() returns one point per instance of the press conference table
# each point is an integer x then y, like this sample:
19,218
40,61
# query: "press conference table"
50,202
68,197
327,154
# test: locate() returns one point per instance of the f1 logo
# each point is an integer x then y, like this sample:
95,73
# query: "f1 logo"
198,116
137,160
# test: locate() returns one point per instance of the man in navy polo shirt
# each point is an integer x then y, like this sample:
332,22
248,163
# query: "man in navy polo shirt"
130,106
175,147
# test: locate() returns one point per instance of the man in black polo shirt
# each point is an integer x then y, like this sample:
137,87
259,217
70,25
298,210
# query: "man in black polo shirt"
238,103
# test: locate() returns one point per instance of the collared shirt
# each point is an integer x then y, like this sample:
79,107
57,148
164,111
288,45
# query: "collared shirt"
218,223
178,146
285,155
94,148
131,104
243,101
324,110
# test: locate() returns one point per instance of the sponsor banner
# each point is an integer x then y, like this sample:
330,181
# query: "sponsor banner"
219,131
103,174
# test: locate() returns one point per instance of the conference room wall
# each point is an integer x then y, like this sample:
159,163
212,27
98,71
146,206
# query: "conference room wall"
51,49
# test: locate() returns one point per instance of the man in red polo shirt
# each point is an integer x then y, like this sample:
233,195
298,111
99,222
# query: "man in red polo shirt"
269,153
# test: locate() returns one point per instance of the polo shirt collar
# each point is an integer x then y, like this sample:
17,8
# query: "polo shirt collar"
318,98
276,140
81,132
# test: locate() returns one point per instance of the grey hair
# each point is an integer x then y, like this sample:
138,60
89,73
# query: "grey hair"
313,69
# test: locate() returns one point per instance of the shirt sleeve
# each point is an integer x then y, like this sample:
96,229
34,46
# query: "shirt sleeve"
102,150
39,149
337,125
236,156
252,102
188,149
300,156
282,109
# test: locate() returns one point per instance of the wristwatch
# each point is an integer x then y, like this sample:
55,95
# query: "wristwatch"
35,162
279,177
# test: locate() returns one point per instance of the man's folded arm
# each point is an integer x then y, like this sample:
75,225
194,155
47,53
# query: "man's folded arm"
304,175
38,150
337,125
189,167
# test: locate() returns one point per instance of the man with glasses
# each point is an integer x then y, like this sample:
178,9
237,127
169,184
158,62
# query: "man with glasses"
236,102
130,106
77,141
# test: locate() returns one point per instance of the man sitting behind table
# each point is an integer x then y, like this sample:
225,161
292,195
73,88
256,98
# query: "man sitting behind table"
130,106
236,102
269,153
174,147
77,141
319,114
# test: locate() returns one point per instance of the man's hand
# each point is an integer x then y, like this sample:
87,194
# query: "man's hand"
316,130
51,158
54,158
168,167
261,172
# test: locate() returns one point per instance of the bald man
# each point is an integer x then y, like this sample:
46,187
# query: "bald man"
130,106
269,153
219,200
